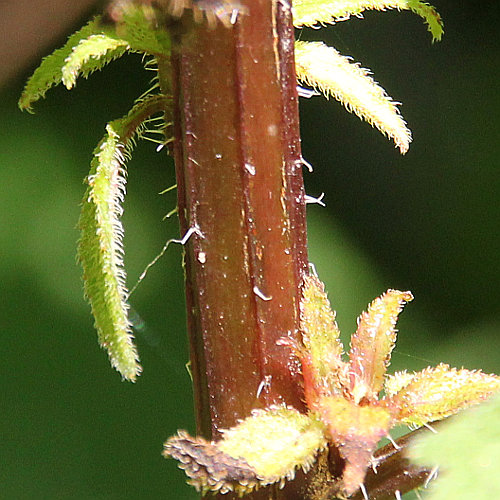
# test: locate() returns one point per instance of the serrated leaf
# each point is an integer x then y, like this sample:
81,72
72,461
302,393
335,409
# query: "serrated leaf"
208,468
275,442
320,333
467,451
431,17
313,12
436,393
101,254
100,249
372,344
94,46
322,67
91,54
394,383
262,449
49,74
343,400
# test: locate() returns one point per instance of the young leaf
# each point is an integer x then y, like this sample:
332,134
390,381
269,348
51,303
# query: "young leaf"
312,12
431,17
394,383
275,442
263,449
372,344
320,333
324,68
208,468
101,253
92,47
436,393
344,405
89,55
49,74
100,249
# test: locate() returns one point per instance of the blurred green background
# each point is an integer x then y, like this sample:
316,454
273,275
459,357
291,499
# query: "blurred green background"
428,222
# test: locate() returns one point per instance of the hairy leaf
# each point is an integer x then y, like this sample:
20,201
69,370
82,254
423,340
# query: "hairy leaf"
312,12
263,449
372,344
101,253
208,468
343,401
275,442
436,393
92,47
394,383
324,68
89,55
100,248
49,74
320,332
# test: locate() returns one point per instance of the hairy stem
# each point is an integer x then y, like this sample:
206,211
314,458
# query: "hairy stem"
394,471
241,200
240,192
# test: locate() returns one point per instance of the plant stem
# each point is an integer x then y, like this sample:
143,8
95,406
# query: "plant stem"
394,471
240,193
239,178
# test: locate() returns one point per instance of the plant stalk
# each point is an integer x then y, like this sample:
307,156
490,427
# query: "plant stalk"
240,193
394,471
241,200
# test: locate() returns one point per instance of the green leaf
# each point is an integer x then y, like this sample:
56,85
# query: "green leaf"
275,442
100,249
372,344
49,74
263,449
89,55
431,17
312,12
467,451
320,333
436,393
94,46
324,68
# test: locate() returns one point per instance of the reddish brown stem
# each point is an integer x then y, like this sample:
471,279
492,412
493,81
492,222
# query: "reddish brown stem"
238,163
395,472
241,197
